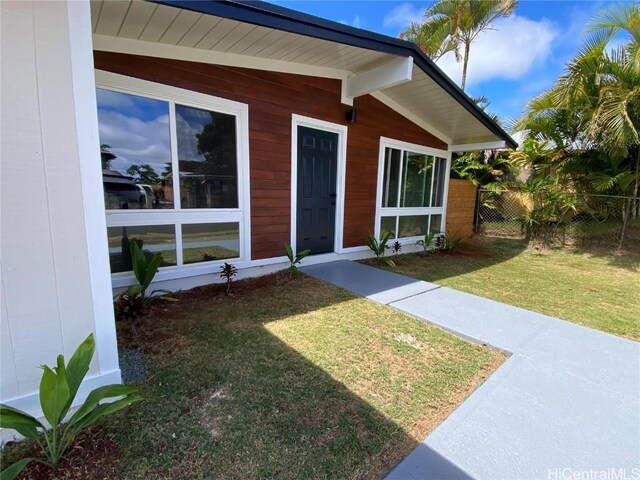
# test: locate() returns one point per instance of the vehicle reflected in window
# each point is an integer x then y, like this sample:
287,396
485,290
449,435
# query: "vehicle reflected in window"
135,151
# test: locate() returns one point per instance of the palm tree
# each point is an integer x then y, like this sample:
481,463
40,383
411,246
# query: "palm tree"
433,39
593,109
595,104
452,25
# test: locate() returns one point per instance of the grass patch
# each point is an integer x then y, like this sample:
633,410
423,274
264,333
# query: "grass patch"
597,289
295,379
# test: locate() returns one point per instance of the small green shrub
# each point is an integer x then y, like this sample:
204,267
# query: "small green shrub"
58,389
380,247
426,242
227,272
295,259
132,302
449,242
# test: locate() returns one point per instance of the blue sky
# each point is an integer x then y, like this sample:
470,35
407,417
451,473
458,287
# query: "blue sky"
511,64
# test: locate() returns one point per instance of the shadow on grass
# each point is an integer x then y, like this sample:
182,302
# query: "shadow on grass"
470,256
233,400
626,259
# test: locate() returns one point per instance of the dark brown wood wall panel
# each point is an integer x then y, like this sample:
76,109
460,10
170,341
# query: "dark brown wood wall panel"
272,98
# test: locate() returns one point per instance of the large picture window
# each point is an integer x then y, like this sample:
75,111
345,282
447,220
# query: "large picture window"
174,168
411,191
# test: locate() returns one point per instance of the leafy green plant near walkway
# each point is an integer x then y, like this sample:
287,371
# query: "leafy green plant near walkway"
58,389
295,258
426,242
379,248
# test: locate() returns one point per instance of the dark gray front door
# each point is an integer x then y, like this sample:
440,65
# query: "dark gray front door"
317,167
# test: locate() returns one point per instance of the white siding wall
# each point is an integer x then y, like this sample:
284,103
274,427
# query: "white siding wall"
54,269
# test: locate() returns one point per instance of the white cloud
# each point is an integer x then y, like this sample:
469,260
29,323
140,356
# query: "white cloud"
187,129
356,22
403,15
135,141
508,51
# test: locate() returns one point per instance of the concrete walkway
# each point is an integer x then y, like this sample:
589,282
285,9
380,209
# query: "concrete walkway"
567,400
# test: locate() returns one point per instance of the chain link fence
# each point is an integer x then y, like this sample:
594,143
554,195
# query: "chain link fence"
568,219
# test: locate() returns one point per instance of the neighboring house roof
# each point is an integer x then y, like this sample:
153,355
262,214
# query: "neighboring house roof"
225,31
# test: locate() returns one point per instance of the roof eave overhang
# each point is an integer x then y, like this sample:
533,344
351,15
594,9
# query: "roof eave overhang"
280,18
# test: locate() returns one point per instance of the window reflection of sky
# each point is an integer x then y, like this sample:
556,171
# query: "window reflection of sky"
136,128
190,122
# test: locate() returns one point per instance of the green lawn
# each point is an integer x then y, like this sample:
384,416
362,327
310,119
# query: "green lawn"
598,290
286,379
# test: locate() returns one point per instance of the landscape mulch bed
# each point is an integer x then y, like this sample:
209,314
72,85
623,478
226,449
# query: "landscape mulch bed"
94,455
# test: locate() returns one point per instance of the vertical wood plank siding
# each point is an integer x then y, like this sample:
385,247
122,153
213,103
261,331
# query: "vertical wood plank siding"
461,206
272,98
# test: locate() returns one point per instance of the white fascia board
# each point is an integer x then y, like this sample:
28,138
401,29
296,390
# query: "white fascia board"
385,76
469,147
106,43
421,122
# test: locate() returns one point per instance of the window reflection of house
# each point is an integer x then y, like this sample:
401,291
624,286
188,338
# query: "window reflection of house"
208,191
121,192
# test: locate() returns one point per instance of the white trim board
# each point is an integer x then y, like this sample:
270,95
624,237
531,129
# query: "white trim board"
342,131
130,46
79,15
203,275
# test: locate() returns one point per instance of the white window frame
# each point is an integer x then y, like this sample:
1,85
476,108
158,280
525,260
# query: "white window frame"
342,131
385,143
177,216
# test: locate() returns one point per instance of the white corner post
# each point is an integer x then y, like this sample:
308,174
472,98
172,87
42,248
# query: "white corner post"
85,104
55,280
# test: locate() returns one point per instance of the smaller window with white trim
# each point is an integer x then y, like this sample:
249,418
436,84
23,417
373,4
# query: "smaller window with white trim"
412,191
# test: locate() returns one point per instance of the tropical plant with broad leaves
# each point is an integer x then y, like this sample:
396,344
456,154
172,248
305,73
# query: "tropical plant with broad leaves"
595,104
132,302
295,258
426,242
379,248
491,171
448,242
453,25
58,389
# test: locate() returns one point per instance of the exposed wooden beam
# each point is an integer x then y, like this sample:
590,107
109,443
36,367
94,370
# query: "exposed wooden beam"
393,73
